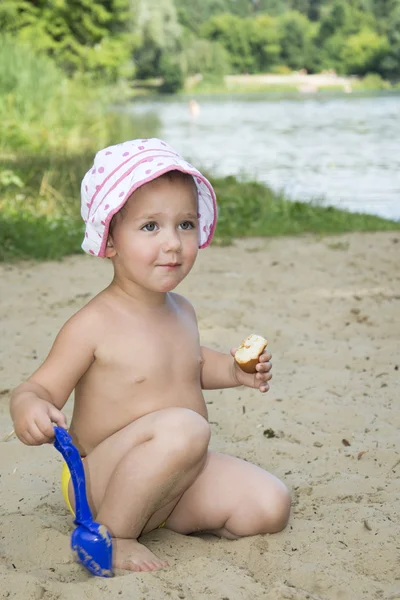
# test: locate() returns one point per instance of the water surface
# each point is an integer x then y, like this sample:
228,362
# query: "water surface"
342,149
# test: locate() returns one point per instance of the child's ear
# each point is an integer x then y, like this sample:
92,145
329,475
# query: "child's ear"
110,250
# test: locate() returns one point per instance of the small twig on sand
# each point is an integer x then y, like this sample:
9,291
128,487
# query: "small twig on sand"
306,593
367,525
395,465
7,437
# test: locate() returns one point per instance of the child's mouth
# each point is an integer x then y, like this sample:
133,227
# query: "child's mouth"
170,265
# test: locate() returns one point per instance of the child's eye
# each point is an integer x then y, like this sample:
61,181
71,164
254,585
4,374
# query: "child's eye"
186,225
149,226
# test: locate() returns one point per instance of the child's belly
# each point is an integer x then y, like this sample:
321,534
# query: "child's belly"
98,414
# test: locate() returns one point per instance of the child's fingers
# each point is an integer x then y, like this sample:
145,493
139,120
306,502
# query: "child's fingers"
264,376
57,417
264,388
36,434
233,351
45,427
264,367
27,439
265,356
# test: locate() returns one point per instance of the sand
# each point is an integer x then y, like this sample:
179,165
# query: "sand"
300,80
330,308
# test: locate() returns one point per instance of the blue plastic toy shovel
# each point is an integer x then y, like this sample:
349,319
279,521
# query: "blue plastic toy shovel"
90,541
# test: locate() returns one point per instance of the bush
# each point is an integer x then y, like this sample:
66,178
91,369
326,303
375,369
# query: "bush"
373,81
231,31
363,52
79,35
208,58
296,40
172,74
42,111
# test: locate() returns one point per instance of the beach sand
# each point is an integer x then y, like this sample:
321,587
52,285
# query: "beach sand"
329,426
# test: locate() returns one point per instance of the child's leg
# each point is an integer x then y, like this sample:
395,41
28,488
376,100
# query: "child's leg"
232,498
136,477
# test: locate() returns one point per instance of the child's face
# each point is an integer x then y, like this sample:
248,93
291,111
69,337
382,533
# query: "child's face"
154,243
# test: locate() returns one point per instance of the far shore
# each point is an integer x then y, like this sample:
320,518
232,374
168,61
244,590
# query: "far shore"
301,80
297,81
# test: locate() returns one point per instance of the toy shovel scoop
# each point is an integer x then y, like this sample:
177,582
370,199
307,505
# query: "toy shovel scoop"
90,541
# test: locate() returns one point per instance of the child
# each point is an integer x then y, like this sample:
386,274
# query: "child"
134,359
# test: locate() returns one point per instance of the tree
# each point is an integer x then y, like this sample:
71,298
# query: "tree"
206,57
172,74
265,42
384,9
363,52
390,64
341,20
296,40
231,32
81,35
156,26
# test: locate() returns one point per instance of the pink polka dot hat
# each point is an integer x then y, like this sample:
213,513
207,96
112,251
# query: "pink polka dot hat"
118,171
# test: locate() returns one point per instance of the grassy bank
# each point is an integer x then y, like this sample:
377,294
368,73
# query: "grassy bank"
40,211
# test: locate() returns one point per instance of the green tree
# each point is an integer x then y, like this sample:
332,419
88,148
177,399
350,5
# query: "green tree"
156,26
384,9
336,20
363,52
231,32
206,57
296,40
15,14
81,35
390,64
341,20
264,41
171,71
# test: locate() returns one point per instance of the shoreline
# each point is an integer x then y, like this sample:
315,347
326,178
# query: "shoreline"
302,82
297,81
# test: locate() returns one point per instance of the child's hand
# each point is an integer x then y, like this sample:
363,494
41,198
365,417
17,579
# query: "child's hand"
33,421
258,380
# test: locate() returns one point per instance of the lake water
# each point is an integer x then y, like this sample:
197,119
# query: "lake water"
341,149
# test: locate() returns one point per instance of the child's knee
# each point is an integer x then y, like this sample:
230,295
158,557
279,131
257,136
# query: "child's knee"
276,510
267,513
184,433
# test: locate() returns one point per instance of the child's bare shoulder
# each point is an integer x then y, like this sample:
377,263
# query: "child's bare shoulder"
89,318
183,303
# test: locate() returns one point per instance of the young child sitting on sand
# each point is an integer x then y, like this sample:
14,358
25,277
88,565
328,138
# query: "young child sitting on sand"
134,359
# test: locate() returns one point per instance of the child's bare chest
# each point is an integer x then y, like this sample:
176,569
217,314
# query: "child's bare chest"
139,353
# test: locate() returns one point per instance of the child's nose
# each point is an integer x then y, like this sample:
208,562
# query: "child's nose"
172,241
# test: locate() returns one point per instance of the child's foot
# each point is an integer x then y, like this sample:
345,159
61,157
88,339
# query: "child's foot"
130,555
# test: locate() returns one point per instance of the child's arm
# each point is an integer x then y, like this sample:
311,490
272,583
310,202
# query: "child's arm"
221,371
37,403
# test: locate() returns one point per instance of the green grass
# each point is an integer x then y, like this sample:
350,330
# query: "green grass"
41,219
252,209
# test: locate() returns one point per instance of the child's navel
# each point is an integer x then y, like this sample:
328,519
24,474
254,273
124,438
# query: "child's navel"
139,379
